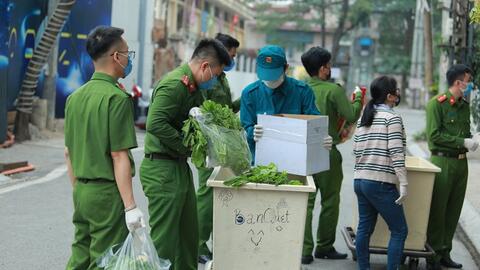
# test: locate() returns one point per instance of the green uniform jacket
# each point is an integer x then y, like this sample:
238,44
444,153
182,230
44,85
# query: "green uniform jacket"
98,121
331,100
221,94
171,101
448,123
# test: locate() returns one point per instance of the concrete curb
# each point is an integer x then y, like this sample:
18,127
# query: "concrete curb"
469,218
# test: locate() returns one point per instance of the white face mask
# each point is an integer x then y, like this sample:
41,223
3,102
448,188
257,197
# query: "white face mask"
276,83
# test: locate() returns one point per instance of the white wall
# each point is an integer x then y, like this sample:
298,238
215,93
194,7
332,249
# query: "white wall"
238,81
126,14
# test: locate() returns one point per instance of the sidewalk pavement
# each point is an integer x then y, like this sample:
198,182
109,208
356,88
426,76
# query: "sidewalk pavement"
45,154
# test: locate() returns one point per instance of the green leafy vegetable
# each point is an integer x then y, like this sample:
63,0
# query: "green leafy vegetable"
219,135
263,175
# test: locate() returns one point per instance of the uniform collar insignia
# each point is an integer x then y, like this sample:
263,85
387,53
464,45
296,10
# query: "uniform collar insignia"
186,81
452,100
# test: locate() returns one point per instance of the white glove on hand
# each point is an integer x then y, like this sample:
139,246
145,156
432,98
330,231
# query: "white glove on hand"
476,137
195,112
471,144
328,142
403,195
134,219
257,132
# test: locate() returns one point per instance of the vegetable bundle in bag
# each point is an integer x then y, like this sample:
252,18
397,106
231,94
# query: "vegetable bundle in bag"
218,134
136,253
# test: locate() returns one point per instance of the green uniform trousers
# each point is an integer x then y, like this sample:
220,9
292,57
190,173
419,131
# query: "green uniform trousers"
99,222
205,210
168,185
447,201
329,183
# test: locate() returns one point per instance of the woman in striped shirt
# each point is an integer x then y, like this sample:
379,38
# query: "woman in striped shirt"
379,148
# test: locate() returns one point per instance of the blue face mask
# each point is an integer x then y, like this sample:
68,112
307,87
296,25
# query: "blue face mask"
128,68
231,66
469,89
208,85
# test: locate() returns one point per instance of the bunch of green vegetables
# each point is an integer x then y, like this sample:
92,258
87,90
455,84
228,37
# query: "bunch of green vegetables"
262,175
219,135
141,262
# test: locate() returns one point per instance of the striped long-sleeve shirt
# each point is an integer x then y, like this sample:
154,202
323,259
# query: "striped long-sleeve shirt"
380,148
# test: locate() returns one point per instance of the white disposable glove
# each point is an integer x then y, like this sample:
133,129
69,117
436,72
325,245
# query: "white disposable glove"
476,137
328,142
134,219
257,132
471,144
195,112
403,194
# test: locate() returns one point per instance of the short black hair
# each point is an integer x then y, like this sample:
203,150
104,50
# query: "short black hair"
101,39
457,72
212,49
228,41
314,59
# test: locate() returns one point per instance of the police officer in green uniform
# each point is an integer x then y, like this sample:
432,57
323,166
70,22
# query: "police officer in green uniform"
449,139
99,131
165,175
331,100
221,94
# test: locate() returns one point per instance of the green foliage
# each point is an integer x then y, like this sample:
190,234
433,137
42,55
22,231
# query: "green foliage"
219,135
262,175
140,262
420,136
395,28
270,21
194,139
475,13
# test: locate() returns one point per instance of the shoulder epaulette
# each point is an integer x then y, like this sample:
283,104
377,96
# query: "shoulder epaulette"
253,86
442,98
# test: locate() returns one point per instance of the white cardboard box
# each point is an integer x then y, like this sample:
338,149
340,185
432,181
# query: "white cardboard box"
294,143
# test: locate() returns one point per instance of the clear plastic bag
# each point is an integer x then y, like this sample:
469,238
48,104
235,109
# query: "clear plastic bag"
136,253
226,147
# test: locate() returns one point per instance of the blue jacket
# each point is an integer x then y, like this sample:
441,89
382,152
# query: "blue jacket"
292,97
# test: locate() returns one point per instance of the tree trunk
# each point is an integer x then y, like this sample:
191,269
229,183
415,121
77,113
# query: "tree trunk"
35,65
323,24
50,85
427,28
340,30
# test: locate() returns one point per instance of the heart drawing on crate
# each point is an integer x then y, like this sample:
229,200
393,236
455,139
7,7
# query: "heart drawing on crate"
256,238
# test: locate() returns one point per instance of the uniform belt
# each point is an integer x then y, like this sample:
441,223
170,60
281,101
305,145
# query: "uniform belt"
95,181
450,155
162,156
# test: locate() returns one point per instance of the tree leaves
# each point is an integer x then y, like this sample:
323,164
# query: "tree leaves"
262,175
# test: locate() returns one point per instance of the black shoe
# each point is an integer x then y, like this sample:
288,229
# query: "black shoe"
331,255
449,263
433,266
307,259
204,258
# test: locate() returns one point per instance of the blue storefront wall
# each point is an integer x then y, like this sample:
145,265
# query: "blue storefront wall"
24,21
74,65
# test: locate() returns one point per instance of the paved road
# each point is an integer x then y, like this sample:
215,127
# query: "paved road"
36,220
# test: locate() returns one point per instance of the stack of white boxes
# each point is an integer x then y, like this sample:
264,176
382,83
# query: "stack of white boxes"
294,143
